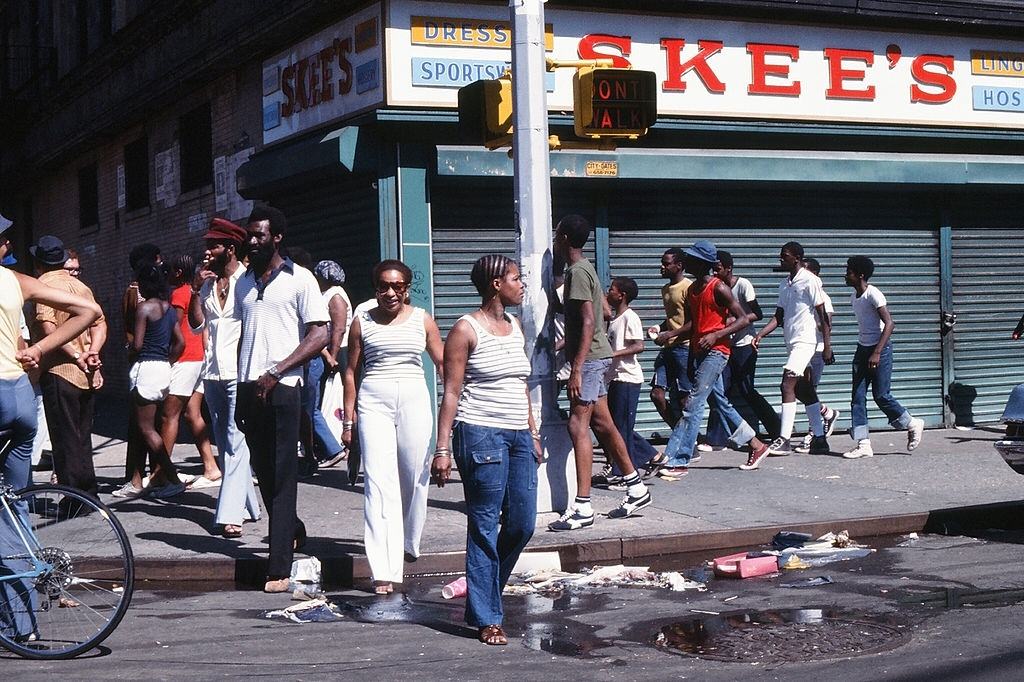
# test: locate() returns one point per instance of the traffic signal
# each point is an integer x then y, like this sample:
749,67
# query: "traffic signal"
485,112
614,102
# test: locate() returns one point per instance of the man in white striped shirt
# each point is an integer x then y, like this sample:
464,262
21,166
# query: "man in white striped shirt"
284,324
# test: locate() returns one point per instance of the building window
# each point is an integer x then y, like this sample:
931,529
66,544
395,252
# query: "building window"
195,137
136,174
88,197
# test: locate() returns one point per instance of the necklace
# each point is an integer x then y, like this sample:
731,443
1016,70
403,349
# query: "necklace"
222,290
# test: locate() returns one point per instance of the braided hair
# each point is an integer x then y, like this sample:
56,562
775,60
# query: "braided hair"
487,269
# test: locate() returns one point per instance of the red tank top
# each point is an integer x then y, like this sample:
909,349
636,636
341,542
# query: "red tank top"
707,316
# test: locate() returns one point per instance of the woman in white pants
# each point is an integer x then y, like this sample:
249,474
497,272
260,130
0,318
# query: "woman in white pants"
392,407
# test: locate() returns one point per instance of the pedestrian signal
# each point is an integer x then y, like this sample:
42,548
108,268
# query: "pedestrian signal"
614,102
485,112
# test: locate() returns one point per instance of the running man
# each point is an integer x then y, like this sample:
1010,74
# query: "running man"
800,312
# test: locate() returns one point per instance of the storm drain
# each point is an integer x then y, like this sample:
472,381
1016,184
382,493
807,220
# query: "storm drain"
781,636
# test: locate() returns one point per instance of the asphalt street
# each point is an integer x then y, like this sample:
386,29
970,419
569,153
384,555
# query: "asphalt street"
934,607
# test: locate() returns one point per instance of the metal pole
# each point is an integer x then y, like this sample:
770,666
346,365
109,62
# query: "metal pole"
533,242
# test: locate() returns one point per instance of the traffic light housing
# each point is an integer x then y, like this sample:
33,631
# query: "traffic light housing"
485,112
614,102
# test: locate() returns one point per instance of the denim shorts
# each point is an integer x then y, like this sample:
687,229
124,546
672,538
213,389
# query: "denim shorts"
594,387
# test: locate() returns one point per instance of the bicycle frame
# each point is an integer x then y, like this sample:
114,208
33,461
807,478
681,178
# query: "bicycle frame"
39,567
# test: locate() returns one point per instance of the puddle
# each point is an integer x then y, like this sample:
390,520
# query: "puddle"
784,635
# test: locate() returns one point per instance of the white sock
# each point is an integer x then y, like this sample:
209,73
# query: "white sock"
584,508
788,417
814,419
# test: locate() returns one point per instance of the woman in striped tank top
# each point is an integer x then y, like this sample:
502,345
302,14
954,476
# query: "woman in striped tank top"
497,443
393,408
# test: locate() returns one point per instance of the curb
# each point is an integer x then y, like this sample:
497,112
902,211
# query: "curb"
346,570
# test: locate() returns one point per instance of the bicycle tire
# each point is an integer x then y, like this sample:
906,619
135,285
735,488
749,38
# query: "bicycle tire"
78,604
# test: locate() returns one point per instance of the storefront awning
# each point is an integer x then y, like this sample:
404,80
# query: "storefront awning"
742,165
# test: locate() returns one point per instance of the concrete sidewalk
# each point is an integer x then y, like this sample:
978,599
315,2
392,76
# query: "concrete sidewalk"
717,506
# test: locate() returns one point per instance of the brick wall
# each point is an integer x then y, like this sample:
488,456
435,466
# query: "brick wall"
235,116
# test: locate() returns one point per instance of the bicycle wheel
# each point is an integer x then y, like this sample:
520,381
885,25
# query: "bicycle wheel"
85,585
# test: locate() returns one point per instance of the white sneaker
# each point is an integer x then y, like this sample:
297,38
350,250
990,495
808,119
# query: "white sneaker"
863,449
914,433
704,447
129,492
572,519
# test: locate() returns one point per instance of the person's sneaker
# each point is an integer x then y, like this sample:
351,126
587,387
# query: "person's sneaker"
704,447
695,457
914,434
618,484
863,449
630,505
672,473
805,445
603,477
780,447
830,422
341,456
755,458
572,519
167,491
129,492
654,466
819,446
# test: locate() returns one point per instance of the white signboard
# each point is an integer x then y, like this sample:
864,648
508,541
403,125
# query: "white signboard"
328,76
715,68
165,169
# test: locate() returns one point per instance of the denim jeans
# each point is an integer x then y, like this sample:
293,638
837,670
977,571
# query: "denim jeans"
738,379
499,480
622,401
18,412
880,380
707,387
670,372
322,435
237,499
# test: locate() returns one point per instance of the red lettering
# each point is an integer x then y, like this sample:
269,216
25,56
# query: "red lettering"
760,69
287,74
837,75
313,88
588,43
943,81
698,64
327,87
342,48
301,96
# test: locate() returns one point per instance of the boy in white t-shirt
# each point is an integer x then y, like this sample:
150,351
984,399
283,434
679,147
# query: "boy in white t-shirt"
872,363
817,368
801,313
625,377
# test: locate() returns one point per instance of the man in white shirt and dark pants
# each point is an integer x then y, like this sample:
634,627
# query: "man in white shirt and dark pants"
801,313
284,324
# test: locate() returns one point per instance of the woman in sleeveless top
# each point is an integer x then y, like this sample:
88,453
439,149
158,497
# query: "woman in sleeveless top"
393,410
17,403
157,342
496,441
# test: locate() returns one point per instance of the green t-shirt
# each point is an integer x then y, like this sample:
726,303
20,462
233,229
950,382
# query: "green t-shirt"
581,284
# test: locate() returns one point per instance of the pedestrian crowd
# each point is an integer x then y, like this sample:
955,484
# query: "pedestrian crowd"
263,355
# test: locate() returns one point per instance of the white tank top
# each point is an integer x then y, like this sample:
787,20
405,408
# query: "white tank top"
10,324
393,351
494,387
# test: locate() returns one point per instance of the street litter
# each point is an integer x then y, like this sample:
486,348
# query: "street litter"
908,540
311,611
456,588
603,576
810,582
745,565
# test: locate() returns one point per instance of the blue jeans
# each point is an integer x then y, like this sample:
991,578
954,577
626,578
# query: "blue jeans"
707,387
17,411
322,435
622,402
880,380
499,480
237,499
738,379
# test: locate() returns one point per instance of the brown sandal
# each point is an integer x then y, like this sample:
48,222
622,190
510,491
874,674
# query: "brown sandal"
231,531
492,635
382,587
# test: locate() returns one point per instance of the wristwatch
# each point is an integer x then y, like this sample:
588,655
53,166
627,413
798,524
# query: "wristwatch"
274,373
76,355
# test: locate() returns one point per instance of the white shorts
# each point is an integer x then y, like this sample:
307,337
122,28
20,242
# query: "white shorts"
185,378
800,355
151,379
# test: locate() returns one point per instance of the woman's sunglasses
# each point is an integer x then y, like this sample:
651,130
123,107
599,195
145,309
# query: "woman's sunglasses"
398,287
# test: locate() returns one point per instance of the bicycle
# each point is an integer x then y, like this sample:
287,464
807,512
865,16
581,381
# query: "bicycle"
66,569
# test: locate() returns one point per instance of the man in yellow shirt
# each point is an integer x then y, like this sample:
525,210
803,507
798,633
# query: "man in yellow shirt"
670,374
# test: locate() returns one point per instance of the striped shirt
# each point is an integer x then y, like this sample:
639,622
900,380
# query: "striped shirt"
494,387
393,351
274,318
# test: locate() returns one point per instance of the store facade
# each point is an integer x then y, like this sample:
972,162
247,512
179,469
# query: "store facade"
901,146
